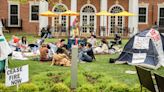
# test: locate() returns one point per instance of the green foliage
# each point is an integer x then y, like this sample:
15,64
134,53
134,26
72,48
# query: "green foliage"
137,88
60,87
99,74
44,83
117,87
3,88
86,88
28,88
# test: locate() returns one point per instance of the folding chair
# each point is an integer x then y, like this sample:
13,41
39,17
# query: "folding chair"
145,79
160,82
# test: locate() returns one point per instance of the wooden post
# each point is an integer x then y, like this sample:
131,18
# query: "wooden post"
74,66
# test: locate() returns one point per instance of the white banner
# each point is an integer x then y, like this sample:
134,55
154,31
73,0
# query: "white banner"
141,42
139,57
17,75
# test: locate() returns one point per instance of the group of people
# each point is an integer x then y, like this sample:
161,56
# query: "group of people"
104,46
59,52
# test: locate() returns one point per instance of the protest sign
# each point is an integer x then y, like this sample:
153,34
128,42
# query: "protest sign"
17,75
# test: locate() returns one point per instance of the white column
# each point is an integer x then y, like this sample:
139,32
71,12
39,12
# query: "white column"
103,19
73,8
133,21
43,21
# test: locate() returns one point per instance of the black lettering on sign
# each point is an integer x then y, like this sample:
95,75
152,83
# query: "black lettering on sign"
14,82
15,70
8,72
15,76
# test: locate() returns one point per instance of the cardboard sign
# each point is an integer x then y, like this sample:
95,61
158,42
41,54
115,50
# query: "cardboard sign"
138,57
141,42
17,75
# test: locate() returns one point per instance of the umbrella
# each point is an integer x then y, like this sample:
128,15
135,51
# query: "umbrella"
124,13
69,13
48,14
104,13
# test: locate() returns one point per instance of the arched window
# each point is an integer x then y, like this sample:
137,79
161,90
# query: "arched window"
117,21
88,18
88,9
60,23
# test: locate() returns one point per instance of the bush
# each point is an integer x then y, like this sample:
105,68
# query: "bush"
60,87
117,87
43,82
28,88
137,88
3,88
86,88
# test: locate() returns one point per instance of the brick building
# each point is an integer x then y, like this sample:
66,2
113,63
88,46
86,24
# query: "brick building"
24,17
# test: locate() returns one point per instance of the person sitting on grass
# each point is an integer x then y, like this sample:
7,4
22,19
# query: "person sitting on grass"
86,54
117,41
14,43
93,41
23,44
104,48
60,43
61,59
44,33
44,53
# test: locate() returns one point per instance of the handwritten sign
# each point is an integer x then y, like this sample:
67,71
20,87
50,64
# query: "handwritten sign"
17,75
156,38
138,57
141,42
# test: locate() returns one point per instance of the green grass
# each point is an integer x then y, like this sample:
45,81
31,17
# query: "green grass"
101,65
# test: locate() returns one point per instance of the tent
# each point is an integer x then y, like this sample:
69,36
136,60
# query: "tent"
144,49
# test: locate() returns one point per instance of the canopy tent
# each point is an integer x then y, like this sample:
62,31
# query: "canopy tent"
69,13
144,49
48,14
124,13
104,13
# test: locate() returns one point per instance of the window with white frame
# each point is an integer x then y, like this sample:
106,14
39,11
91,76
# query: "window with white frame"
161,16
14,15
63,19
142,14
88,19
34,12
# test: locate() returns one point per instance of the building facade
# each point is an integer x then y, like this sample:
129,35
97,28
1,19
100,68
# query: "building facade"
25,17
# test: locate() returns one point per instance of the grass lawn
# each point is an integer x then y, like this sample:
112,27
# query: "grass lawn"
39,71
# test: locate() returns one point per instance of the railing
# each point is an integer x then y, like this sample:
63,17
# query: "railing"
124,32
